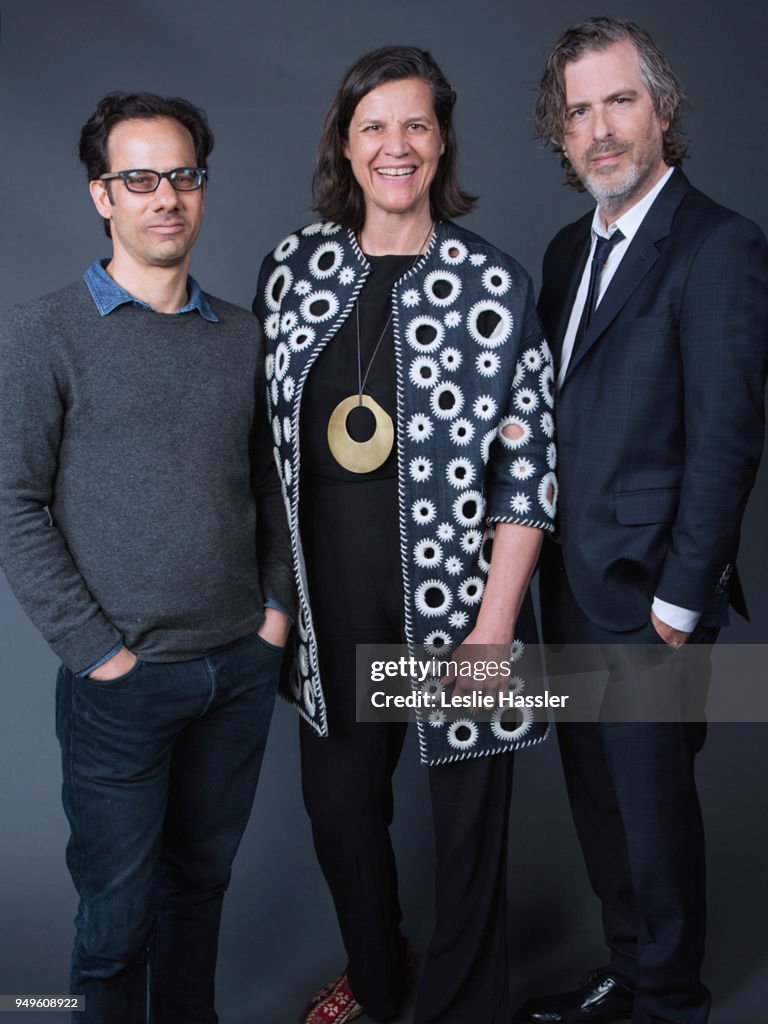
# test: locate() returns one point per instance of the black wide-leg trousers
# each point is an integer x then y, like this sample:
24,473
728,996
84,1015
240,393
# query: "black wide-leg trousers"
353,564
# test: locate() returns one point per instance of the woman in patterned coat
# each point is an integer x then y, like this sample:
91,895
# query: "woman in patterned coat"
410,392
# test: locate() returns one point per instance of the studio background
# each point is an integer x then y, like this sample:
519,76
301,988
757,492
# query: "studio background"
265,72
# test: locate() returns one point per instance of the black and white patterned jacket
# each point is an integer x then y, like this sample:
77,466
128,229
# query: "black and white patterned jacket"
470,359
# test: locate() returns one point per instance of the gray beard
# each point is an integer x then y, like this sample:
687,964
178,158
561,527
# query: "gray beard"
614,196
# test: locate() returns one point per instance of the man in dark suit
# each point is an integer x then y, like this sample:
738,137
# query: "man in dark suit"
656,306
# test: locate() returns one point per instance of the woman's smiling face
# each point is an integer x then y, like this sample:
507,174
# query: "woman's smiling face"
394,145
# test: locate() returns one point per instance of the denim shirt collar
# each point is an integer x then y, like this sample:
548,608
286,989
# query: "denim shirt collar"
108,295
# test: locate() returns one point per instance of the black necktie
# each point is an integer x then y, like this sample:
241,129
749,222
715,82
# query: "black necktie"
599,259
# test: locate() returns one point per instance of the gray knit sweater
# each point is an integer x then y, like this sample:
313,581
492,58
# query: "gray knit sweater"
129,505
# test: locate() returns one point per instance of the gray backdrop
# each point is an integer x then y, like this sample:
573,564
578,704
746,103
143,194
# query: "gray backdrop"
265,71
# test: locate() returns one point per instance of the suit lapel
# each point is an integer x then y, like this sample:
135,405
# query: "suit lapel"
638,260
641,255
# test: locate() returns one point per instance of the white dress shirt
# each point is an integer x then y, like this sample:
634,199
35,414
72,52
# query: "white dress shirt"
628,223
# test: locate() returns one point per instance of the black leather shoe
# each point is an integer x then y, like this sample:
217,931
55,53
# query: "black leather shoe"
601,998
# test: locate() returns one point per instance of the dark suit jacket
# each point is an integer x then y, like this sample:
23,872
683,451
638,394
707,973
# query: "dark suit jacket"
660,417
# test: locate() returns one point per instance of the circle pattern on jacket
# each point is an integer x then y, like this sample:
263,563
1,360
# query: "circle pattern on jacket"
326,260
318,307
433,598
456,412
489,323
442,288
424,333
286,248
463,734
278,283
459,390
511,724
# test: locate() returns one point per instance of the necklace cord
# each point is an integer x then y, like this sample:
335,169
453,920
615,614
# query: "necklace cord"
364,456
361,380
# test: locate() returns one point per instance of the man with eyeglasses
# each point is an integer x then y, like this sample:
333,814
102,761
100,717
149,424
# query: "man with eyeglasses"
142,529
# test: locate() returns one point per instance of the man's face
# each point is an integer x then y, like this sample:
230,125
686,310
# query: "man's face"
154,229
613,135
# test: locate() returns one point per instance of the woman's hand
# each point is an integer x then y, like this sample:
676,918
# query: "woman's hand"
513,560
478,660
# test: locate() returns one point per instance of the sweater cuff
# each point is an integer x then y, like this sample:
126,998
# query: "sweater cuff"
85,648
272,603
101,661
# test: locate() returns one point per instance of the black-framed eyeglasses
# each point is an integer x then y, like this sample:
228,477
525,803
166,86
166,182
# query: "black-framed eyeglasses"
183,179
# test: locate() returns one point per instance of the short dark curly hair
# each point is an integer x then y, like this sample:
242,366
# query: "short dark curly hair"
126,106
591,36
336,194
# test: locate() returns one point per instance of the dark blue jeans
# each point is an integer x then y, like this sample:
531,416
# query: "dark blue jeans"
160,769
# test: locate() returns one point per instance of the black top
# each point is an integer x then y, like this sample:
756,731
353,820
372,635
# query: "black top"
334,375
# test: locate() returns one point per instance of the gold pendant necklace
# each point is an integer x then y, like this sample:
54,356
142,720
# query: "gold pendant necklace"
360,456
364,456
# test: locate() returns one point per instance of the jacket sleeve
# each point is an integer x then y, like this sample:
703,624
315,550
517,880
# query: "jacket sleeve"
724,349
273,544
33,552
521,482
259,305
